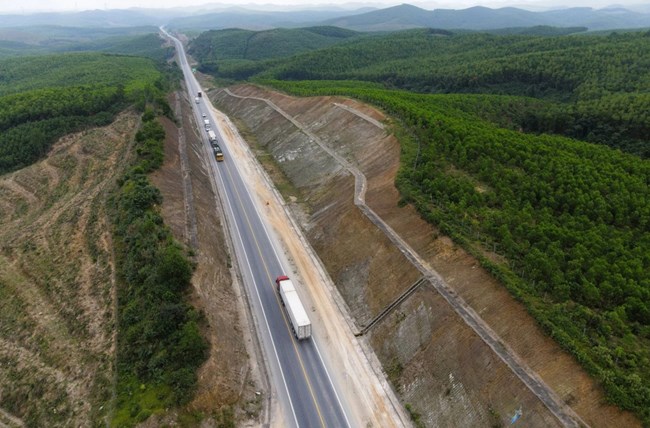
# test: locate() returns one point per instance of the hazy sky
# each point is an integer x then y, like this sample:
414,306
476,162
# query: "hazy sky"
28,6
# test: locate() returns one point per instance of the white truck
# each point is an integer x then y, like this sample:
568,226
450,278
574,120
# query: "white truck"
206,123
212,136
298,318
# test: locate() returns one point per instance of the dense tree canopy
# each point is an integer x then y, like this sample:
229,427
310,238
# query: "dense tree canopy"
597,87
159,344
229,44
74,69
242,49
147,46
48,39
79,90
572,219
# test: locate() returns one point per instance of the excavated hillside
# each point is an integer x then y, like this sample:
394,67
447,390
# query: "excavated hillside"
56,281
57,285
439,365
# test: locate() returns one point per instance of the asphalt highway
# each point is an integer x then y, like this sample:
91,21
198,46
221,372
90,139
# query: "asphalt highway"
301,382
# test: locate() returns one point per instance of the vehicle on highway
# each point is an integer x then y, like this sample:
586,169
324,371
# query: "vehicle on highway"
199,95
196,100
218,153
204,115
293,366
300,324
212,136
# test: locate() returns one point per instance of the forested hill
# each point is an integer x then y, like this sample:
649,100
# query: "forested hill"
97,18
78,91
213,47
139,41
595,86
143,45
23,74
237,17
562,222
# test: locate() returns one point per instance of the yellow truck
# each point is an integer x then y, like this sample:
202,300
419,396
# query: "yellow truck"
218,154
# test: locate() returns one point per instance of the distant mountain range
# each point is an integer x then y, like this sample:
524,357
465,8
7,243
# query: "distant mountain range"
367,19
482,18
259,20
88,18
233,17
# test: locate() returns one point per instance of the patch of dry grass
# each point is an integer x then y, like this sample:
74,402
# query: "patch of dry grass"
56,301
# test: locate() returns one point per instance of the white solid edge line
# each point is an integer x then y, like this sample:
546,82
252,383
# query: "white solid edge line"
345,415
259,299
232,213
268,237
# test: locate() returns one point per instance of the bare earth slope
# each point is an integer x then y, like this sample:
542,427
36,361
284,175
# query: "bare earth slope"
57,286
56,281
447,374
227,380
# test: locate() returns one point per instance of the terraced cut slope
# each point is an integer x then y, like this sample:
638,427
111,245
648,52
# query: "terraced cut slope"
440,367
56,281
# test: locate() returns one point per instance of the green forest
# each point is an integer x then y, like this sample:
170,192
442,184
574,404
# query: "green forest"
596,86
243,48
73,69
159,346
229,44
571,218
79,90
499,154
159,343
48,39
146,45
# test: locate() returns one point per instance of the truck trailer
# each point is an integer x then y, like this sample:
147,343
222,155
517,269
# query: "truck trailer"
212,136
298,318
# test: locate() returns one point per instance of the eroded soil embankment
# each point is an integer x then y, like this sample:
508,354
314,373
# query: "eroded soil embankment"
190,209
438,364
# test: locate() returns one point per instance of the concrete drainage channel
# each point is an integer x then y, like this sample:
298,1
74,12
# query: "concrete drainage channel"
543,392
389,308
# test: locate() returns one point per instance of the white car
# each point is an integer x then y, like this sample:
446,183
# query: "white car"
204,115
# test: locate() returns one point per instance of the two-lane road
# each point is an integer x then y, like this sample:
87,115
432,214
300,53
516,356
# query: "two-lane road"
300,379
